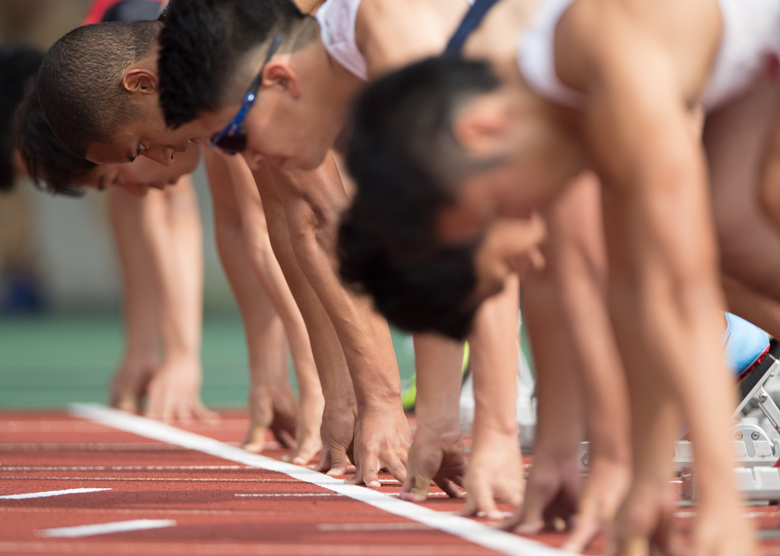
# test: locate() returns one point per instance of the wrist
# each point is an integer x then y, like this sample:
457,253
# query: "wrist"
382,399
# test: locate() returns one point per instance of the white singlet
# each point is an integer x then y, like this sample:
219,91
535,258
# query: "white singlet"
337,20
751,38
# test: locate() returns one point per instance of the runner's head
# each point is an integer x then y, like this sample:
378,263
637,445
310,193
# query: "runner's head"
438,289
212,54
98,88
18,64
443,147
55,169
418,291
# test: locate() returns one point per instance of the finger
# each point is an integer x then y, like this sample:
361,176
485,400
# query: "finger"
255,439
154,409
585,530
408,489
184,414
397,469
126,401
532,514
324,464
632,546
483,504
338,462
308,446
203,413
367,472
286,439
419,485
449,488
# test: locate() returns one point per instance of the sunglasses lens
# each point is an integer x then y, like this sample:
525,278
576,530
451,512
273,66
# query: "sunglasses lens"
232,144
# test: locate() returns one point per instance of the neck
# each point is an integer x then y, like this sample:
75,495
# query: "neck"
545,154
343,85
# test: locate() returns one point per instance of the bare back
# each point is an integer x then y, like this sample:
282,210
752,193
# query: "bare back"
393,33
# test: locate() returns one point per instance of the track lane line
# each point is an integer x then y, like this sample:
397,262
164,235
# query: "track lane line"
106,528
50,493
467,529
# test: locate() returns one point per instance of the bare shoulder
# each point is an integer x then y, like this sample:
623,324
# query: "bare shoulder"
594,35
391,33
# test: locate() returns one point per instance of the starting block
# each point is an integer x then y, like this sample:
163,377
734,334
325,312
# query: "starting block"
754,483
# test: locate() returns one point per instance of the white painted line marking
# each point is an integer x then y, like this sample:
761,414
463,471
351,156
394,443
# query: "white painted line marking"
50,493
132,468
106,528
321,494
338,527
462,527
291,495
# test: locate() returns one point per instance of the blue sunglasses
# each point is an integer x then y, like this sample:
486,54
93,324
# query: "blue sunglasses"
233,139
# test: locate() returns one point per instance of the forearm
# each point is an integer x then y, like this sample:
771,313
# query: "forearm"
577,261
559,408
179,256
494,360
438,363
328,354
312,201
269,273
141,291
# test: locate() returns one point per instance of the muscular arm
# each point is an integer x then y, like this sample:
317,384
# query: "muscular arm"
664,296
312,201
141,298
495,470
175,390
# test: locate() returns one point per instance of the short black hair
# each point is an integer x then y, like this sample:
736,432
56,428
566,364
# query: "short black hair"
407,164
403,153
51,166
80,80
203,44
18,64
417,290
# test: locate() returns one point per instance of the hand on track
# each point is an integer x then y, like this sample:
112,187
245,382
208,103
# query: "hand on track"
382,441
338,429
551,497
271,407
174,393
130,382
308,438
495,473
438,456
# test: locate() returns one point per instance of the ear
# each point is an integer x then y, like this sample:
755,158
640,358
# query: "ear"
280,73
140,81
481,126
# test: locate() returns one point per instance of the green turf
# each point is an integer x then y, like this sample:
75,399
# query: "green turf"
50,361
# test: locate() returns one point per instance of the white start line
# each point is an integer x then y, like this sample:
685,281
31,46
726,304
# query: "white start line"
467,529
50,493
106,528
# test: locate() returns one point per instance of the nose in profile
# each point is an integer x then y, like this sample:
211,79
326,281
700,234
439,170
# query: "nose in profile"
162,155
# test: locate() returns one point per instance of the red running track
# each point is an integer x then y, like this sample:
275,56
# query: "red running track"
208,504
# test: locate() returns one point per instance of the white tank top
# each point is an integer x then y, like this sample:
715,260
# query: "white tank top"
337,28
749,45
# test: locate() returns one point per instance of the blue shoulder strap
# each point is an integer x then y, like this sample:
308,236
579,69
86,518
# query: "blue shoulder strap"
471,21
